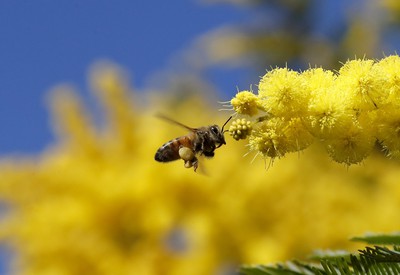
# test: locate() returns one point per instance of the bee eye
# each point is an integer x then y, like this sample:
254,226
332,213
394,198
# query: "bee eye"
214,130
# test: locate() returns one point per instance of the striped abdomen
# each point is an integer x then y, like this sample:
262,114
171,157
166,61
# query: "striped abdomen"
170,150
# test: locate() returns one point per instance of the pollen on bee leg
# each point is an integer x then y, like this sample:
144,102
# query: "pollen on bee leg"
192,163
186,154
188,164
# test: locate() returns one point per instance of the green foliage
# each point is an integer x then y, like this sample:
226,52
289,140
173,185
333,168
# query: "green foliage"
379,239
376,260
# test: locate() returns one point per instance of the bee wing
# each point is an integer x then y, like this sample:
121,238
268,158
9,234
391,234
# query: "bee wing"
173,121
202,169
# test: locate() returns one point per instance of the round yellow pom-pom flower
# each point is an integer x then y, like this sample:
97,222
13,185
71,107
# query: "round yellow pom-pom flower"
245,103
329,111
240,129
388,124
297,135
269,139
353,145
282,93
388,69
317,80
329,114
276,137
358,81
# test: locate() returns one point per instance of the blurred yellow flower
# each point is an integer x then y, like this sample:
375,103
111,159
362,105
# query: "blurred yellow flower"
96,202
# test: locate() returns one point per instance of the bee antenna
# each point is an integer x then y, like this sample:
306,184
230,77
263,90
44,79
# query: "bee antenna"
225,124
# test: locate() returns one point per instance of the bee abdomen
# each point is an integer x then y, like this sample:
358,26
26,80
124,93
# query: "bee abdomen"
165,153
170,150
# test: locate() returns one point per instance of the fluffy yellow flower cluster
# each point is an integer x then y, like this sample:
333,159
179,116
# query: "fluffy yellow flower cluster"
348,112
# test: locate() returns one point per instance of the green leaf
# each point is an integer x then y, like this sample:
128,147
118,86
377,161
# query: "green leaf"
377,260
330,254
379,239
372,260
288,268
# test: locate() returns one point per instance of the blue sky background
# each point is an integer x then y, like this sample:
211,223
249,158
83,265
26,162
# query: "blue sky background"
45,43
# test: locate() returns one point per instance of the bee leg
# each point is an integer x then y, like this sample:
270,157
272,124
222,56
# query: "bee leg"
192,163
195,163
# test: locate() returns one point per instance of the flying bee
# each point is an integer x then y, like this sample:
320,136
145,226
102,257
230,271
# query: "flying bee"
199,141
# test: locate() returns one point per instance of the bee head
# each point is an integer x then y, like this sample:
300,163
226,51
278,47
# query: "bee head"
218,134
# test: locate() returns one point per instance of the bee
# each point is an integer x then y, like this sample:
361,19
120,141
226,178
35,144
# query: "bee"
199,141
